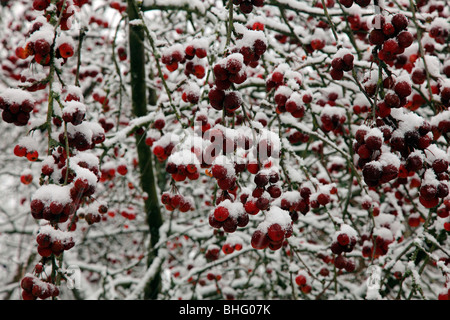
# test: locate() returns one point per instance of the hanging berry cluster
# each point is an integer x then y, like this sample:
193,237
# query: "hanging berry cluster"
16,106
69,173
34,288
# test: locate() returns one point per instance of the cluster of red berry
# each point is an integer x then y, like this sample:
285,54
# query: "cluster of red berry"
296,201
273,230
376,247
176,201
284,97
344,242
246,6
267,188
40,45
231,245
191,93
25,151
332,119
49,244
118,5
192,55
252,45
212,252
432,190
74,112
377,168
180,170
349,3
84,136
294,105
162,149
392,36
303,280
43,206
106,123
296,137
229,216
16,106
341,64
93,215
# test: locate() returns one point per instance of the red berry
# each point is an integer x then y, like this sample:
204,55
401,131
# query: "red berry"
32,156
227,248
259,240
251,208
216,98
405,39
122,169
346,3
275,232
350,266
66,50
373,142
388,29
233,65
20,151
246,6
300,280
277,77
391,45
392,100
336,74
221,214
159,124
337,63
323,199
403,89
40,5
340,262
343,239
42,47
200,53
400,22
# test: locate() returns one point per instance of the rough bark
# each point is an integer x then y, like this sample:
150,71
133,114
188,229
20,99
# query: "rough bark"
139,103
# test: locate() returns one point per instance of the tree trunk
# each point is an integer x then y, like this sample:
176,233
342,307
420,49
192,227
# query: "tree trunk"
139,102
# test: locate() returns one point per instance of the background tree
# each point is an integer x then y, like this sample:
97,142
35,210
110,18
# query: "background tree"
224,149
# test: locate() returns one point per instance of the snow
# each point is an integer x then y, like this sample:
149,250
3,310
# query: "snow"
52,192
46,32
346,229
374,132
227,163
388,158
73,106
283,90
63,38
75,91
384,233
433,152
55,234
173,48
342,52
409,121
429,178
29,143
184,157
249,37
88,175
192,4
275,215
